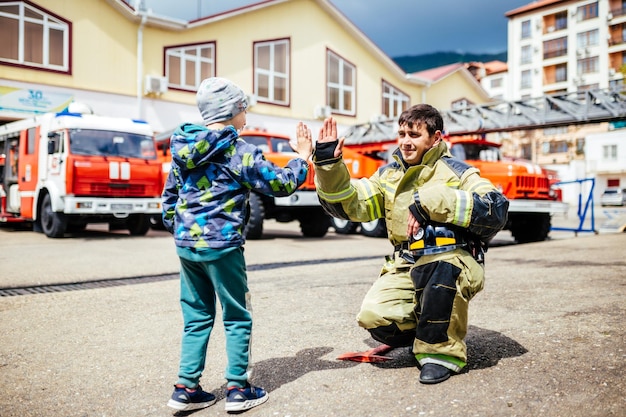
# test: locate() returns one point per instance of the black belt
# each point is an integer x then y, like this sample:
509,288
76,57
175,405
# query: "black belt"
431,240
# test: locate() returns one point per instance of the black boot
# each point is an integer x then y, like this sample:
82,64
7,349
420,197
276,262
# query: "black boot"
434,374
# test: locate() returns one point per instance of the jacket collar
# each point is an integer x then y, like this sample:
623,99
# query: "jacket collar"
430,157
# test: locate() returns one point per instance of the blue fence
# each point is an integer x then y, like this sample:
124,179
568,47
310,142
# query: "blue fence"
584,208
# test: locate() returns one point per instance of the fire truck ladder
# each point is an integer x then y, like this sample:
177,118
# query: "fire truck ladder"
582,107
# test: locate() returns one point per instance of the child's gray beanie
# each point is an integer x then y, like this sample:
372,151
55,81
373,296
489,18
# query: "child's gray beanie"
219,99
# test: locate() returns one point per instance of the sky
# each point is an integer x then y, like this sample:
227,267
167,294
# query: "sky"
398,27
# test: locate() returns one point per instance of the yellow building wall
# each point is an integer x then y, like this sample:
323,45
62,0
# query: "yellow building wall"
104,48
309,40
102,53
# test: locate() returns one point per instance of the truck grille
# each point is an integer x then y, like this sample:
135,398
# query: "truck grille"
532,187
122,190
112,190
525,183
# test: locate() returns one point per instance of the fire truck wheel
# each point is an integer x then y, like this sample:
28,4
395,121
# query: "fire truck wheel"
53,224
138,224
343,227
529,227
375,228
156,222
314,224
254,228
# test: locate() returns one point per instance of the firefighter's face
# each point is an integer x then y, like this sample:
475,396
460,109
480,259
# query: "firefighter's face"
415,141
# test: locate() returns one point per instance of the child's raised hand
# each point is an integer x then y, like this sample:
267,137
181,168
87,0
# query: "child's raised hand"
304,141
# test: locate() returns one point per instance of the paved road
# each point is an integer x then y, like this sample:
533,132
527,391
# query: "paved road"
547,335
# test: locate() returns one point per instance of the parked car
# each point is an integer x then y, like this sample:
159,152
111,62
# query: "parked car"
613,196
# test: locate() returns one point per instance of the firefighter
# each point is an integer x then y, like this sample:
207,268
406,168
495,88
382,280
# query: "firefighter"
440,214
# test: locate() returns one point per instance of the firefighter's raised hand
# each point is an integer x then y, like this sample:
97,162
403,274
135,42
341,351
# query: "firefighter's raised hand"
304,141
328,133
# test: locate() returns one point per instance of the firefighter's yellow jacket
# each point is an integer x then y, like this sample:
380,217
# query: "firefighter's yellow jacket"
441,189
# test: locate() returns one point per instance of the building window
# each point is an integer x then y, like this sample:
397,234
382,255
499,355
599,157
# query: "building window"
587,38
526,79
588,65
617,34
527,54
609,152
560,73
496,82
588,11
526,29
551,131
271,71
394,101
340,85
560,20
34,38
186,66
580,146
555,47
557,146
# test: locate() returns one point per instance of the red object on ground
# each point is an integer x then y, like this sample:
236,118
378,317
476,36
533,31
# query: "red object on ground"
369,356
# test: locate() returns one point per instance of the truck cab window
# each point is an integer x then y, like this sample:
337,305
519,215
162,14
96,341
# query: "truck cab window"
110,143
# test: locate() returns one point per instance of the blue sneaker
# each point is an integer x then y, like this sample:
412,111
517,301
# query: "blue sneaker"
241,399
184,399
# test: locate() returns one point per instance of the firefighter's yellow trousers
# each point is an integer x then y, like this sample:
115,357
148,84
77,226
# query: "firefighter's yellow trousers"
426,305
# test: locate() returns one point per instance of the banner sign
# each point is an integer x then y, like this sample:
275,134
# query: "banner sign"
32,101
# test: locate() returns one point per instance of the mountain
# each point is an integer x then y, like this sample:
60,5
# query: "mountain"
415,63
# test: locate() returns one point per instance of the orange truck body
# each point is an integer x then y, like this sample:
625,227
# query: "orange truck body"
61,171
529,188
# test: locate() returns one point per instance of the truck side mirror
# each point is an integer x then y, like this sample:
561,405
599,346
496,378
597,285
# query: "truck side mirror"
53,140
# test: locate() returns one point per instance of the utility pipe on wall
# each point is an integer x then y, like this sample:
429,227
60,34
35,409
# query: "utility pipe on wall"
141,11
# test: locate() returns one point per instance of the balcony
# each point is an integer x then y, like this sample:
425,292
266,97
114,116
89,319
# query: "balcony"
617,40
554,54
617,12
554,22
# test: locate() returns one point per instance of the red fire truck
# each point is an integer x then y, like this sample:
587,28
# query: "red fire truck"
528,187
61,171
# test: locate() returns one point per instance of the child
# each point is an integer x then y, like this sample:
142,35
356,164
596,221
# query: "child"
205,207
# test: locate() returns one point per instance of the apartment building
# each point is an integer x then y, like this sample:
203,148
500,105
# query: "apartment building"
560,46
566,47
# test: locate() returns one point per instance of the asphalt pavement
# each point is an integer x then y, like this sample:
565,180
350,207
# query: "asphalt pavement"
546,336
